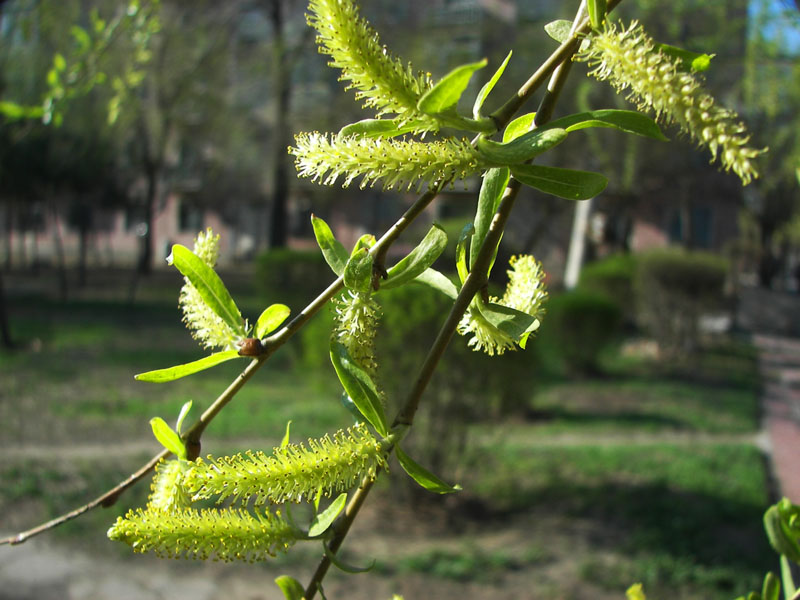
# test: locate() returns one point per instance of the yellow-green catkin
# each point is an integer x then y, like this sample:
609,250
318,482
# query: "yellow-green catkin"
524,292
166,490
205,325
292,473
630,61
380,79
397,163
222,534
355,324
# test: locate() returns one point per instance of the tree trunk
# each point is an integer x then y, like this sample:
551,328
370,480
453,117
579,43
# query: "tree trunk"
279,213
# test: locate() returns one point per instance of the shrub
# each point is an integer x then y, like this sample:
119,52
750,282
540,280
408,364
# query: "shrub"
578,326
613,277
296,276
673,288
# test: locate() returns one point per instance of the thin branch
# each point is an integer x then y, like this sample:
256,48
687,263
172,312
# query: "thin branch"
272,343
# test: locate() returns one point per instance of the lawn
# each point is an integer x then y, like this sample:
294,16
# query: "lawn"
646,473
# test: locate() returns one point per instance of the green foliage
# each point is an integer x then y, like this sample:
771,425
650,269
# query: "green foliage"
296,275
580,325
613,277
674,288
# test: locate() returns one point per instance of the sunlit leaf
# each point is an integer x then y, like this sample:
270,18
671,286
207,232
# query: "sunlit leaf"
332,250
522,148
285,440
271,319
380,128
209,286
687,60
291,588
628,121
178,371
564,183
488,87
518,126
167,437
358,271
436,280
419,259
323,520
422,476
446,93
187,406
597,12
359,387
461,251
492,188
559,30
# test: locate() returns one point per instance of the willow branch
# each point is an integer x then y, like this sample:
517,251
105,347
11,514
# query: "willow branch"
271,344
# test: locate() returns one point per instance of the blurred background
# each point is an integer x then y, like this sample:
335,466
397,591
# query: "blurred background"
628,442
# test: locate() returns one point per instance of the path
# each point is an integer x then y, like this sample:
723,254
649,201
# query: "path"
774,320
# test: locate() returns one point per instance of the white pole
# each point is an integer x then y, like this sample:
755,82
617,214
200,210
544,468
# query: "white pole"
577,244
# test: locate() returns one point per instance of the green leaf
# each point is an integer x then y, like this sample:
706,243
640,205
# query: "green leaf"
323,520
451,118
178,371
285,440
359,386
597,12
343,566
461,251
780,535
436,280
365,241
271,319
167,437
564,183
559,30
350,406
291,588
59,63
422,476
492,188
488,87
14,111
187,406
518,126
686,59
522,148
208,285
512,322
419,259
447,92
332,250
771,589
81,38
379,128
628,121
358,271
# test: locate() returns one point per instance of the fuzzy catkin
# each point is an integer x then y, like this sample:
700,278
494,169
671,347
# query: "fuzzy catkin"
166,490
205,325
524,292
355,325
227,534
398,163
629,60
381,80
292,472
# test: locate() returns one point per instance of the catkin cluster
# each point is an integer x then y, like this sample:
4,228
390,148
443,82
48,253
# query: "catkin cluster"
629,60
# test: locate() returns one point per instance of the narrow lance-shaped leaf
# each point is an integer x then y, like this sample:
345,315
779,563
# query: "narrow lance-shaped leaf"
419,259
271,319
422,476
178,371
628,121
332,250
518,127
492,188
446,93
323,520
358,271
597,12
343,566
380,128
461,251
291,588
488,87
209,286
564,183
522,148
187,406
439,282
167,437
359,386
513,322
